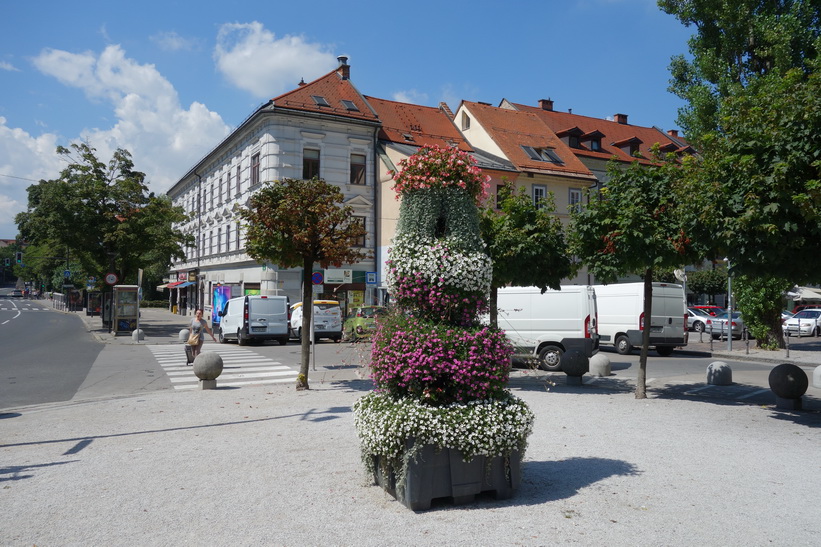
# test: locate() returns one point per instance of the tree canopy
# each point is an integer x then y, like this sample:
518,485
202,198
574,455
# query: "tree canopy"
637,224
102,216
525,242
298,223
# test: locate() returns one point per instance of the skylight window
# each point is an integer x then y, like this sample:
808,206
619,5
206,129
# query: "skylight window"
542,154
320,100
349,105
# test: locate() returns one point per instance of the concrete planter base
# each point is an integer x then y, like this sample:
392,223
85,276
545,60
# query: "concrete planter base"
442,473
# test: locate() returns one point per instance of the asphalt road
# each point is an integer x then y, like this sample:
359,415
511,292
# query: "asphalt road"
46,355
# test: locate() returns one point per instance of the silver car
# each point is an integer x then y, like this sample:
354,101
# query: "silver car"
807,322
697,319
720,326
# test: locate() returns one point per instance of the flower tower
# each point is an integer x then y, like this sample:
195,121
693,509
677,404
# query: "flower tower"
440,374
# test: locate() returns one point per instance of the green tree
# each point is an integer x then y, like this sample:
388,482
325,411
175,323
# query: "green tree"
525,243
710,282
298,223
103,216
759,300
639,223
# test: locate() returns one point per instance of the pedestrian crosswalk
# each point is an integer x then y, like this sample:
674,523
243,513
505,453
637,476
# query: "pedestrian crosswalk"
23,306
240,366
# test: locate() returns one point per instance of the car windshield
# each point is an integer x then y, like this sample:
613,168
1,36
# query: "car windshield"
736,315
807,314
696,311
372,312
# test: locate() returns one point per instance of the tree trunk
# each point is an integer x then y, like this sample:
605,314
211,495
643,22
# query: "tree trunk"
307,314
641,379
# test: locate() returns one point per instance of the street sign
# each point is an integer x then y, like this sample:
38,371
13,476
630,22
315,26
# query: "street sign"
370,278
317,278
111,278
66,273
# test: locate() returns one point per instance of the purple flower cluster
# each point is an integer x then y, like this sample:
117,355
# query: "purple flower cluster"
438,302
439,363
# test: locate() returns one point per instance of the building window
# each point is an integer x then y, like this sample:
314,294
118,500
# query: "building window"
227,237
239,188
254,170
595,145
310,163
574,141
219,240
575,199
361,221
357,168
219,195
542,154
237,236
211,242
539,195
465,121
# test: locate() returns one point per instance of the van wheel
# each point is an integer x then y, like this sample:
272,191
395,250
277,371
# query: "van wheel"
623,345
283,341
221,336
337,339
550,358
665,351
241,340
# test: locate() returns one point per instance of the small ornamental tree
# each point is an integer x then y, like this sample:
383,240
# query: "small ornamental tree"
293,223
637,224
525,243
440,375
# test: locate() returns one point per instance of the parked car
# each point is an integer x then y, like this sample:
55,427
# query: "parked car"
806,307
786,315
804,323
17,292
254,318
719,328
361,322
327,320
697,319
711,310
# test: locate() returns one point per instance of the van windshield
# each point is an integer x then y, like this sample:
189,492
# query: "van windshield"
268,306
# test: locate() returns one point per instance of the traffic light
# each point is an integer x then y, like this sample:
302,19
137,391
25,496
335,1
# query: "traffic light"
19,256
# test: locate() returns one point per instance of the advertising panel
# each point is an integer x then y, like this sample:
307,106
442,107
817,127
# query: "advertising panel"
222,293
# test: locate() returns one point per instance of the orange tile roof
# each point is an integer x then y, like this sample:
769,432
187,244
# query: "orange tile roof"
612,134
425,125
334,89
512,129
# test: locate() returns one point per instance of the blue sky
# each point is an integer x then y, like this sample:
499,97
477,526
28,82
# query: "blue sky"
168,80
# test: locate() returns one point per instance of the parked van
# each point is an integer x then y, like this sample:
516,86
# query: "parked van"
327,320
547,325
255,317
621,316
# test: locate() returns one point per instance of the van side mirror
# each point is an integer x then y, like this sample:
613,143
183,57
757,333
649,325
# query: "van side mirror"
221,313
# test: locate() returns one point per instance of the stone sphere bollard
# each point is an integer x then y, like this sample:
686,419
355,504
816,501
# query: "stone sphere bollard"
816,377
789,383
600,365
207,367
719,373
138,335
184,334
575,364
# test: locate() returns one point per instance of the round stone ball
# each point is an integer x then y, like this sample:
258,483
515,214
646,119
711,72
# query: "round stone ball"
184,333
788,381
719,373
208,365
137,335
575,363
600,365
816,376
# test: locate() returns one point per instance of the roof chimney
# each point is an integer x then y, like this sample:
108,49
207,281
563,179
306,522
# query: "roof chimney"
344,69
620,118
546,104
672,132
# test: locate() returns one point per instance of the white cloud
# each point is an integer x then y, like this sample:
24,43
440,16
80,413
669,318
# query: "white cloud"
253,59
164,138
171,41
411,96
8,66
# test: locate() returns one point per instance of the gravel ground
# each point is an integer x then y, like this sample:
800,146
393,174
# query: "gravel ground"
270,466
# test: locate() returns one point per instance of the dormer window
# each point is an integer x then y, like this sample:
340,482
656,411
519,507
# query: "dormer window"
320,100
542,154
465,121
629,146
573,141
595,145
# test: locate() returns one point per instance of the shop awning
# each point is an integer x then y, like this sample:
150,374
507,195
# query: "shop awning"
163,286
176,284
184,284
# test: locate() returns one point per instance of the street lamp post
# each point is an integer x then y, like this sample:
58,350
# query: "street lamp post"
729,306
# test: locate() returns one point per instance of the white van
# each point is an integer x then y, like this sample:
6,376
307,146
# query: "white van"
547,325
255,317
327,320
621,316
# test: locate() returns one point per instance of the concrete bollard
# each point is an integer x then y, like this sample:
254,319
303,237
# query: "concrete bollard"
138,335
184,333
575,364
207,367
816,377
600,365
719,373
789,383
